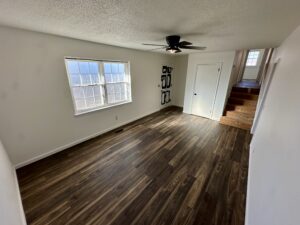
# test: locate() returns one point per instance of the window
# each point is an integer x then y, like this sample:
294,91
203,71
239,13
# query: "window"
252,58
98,84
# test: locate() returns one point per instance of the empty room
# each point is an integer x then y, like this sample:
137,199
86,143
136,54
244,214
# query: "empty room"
149,112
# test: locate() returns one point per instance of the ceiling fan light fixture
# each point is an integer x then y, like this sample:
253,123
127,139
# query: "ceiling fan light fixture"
174,45
173,50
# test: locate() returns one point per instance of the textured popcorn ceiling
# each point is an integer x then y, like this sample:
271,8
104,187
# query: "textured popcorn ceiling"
217,24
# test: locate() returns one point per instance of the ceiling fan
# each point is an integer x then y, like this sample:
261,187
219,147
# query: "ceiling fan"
174,45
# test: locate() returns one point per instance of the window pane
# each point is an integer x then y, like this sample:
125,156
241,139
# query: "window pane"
75,79
95,78
80,104
84,73
121,77
107,68
88,92
123,91
118,97
97,91
94,68
90,102
110,89
114,72
110,93
114,68
110,99
73,67
113,78
85,79
121,68
78,92
116,92
98,101
117,88
84,67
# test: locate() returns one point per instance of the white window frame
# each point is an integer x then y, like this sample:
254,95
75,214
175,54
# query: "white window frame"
102,82
252,58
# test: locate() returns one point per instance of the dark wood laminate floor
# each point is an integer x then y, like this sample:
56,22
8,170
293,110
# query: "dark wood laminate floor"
168,168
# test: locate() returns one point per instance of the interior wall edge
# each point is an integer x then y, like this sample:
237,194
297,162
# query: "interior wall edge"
11,207
23,218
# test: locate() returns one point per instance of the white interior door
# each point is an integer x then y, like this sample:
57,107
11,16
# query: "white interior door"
205,89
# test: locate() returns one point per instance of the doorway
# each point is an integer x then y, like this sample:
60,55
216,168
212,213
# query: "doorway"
205,89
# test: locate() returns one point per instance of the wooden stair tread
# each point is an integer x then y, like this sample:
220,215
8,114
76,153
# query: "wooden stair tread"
241,108
240,115
235,123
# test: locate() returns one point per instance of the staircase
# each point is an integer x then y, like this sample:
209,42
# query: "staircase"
240,108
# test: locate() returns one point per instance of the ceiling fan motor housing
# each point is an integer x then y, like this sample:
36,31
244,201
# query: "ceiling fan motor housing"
173,41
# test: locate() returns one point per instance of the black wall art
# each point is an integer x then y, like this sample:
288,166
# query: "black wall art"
165,97
163,81
166,84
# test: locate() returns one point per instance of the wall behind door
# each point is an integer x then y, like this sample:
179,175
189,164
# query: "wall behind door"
226,59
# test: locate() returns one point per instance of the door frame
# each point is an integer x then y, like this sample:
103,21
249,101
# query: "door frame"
220,65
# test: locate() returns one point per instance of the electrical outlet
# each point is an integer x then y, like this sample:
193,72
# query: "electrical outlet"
116,118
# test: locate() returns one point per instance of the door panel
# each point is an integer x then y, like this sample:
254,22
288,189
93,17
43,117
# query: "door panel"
205,88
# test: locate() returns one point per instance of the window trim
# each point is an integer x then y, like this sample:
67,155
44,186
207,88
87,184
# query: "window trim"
105,106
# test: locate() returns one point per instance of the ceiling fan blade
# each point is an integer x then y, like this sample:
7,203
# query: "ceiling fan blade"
154,45
193,47
184,43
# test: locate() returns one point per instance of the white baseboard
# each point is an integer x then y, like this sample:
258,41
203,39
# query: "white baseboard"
61,148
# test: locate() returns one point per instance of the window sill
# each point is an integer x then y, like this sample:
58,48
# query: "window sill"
100,108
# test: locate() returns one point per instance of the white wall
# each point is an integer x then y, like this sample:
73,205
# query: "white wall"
36,116
274,185
251,72
11,210
224,58
180,62
235,71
